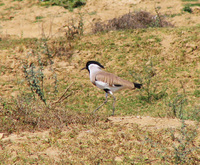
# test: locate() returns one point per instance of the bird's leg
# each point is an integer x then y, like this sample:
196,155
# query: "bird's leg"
102,103
114,101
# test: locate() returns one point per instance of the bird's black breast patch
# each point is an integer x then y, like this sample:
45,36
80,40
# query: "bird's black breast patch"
107,90
117,85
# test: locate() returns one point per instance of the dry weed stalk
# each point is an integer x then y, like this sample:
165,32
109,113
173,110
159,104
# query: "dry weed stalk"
63,97
74,29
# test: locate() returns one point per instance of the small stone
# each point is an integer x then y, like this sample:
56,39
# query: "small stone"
118,159
1,135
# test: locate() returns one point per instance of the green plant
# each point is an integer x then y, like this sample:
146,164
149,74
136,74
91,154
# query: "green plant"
184,145
74,29
193,4
187,8
33,71
44,53
158,22
176,106
195,113
197,93
38,18
2,4
35,79
68,4
197,82
149,91
179,148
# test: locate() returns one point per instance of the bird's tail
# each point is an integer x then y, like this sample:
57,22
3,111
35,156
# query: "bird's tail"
137,85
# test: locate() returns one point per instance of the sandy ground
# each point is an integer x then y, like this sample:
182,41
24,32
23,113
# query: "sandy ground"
19,19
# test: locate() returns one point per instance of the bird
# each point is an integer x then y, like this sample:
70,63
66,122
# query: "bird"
108,82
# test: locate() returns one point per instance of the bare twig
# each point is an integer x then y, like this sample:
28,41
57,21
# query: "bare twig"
158,15
63,97
182,86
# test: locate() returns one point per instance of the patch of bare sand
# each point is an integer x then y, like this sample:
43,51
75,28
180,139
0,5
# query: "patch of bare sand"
144,122
150,122
21,18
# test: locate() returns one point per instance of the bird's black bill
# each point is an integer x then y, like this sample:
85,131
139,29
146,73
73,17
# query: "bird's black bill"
83,68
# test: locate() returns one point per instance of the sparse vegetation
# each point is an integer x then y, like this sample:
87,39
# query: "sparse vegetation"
197,93
176,106
193,4
74,29
38,18
68,4
184,147
2,4
187,8
150,91
35,80
46,101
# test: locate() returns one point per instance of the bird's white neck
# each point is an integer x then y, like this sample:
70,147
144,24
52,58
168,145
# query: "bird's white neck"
94,69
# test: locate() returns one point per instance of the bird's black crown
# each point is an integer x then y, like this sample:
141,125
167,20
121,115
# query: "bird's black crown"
93,62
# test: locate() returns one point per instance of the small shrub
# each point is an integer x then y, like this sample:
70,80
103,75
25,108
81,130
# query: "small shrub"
187,8
194,113
180,148
131,20
197,93
33,67
74,29
150,91
176,106
68,4
35,79
2,4
184,146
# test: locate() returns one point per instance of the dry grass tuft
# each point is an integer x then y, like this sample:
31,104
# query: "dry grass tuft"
60,47
28,114
141,19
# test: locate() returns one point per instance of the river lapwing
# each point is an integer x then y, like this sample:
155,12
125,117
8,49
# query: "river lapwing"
109,82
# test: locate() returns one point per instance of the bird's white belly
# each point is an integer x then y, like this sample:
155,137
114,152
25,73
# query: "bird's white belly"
103,85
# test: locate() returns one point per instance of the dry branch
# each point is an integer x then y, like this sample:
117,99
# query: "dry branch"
63,97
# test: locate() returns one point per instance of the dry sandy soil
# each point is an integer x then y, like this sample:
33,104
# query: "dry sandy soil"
18,19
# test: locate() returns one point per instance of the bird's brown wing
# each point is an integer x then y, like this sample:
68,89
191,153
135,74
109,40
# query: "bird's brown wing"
112,79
